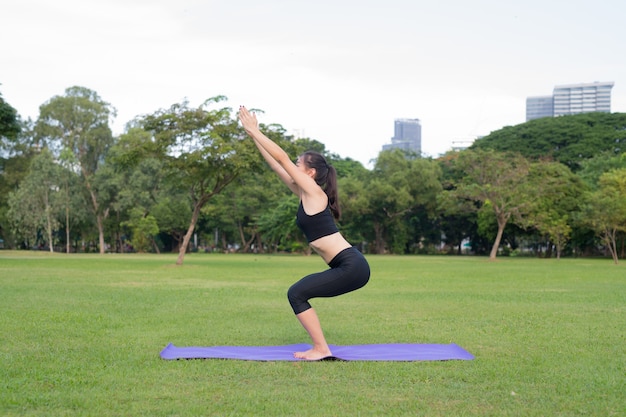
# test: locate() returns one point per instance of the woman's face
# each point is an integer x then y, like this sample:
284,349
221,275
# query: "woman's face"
304,168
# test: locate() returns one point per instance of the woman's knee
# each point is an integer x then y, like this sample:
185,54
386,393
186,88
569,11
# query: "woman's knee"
297,300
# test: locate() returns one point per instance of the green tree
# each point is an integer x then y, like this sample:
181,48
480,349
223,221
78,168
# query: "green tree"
246,211
13,170
605,209
425,185
172,212
35,205
593,168
73,204
278,226
355,222
567,139
202,150
390,200
134,190
10,127
556,200
495,179
399,185
15,157
144,228
79,122
458,217
347,167
237,210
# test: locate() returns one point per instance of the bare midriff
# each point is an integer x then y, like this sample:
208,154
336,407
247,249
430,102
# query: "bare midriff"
329,246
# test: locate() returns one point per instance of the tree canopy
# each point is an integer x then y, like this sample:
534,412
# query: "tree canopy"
187,178
78,122
567,139
9,123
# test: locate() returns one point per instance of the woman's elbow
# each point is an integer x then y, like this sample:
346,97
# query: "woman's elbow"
283,159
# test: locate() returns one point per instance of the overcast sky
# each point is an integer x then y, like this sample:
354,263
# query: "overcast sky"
336,71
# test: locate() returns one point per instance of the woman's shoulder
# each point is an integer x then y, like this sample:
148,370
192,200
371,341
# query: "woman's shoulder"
315,203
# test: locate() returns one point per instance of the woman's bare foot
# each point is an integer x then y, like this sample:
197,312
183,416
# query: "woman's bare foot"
312,354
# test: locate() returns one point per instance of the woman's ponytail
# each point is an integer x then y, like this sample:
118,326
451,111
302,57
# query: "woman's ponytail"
332,192
325,177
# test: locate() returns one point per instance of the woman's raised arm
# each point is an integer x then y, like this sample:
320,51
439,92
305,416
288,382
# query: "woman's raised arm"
276,157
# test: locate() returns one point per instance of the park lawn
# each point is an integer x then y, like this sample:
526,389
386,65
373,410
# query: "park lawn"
81,336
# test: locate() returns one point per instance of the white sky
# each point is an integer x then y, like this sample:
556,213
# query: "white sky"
338,71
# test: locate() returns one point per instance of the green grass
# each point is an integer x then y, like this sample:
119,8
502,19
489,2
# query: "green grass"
81,335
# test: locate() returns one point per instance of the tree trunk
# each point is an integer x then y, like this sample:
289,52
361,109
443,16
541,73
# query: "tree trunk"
49,229
259,244
67,218
48,221
192,225
155,246
379,243
245,245
609,239
99,223
183,247
67,229
496,244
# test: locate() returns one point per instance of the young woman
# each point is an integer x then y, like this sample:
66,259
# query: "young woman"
315,183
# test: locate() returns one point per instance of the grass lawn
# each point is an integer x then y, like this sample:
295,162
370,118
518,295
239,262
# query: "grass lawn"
81,335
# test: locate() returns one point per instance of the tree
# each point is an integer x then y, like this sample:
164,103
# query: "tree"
73,204
605,209
15,159
79,122
399,185
12,172
424,185
202,150
593,168
278,226
172,212
237,210
355,223
248,210
457,217
10,127
134,188
144,228
495,179
389,200
35,204
556,200
567,139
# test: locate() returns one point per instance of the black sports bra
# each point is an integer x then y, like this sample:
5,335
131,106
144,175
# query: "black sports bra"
316,226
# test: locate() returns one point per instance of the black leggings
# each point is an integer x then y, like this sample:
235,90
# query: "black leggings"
348,271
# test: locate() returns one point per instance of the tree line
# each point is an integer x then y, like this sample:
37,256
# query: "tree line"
187,178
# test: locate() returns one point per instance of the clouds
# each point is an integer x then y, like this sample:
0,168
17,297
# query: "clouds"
340,71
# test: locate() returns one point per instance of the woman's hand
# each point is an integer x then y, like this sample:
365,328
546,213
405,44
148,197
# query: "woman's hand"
248,120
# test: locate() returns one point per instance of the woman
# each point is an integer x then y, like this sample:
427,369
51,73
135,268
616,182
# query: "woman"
315,183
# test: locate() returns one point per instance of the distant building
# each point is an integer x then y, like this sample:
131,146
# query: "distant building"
571,99
407,136
461,145
539,106
582,98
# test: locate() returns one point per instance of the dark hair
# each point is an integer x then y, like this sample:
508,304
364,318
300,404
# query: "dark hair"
325,177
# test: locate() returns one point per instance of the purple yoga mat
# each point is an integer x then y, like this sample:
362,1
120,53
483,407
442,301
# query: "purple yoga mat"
385,352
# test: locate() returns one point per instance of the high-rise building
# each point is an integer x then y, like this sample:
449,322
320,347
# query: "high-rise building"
582,98
539,106
571,99
407,136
